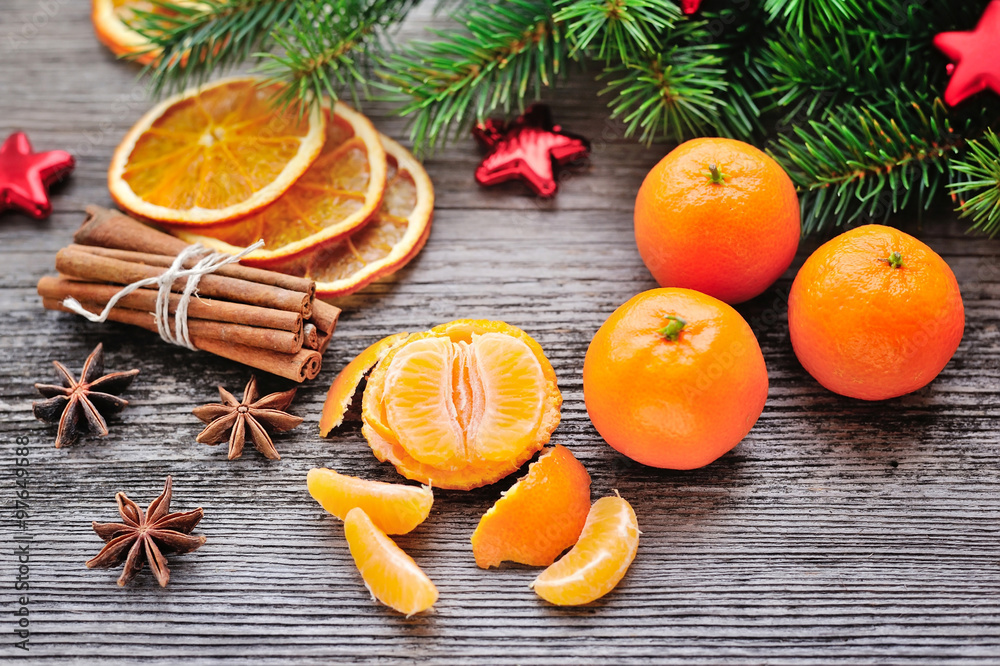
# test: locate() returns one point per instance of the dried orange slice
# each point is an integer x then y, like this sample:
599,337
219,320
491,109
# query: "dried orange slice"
334,197
599,559
387,242
110,24
539,517
213,154
345,384
462,405
394,508
389,574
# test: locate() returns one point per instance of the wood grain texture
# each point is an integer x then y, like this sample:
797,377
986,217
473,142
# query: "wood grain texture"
838,532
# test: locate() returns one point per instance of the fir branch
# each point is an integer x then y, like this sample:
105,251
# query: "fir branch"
327,49
627,29
673,94
507,52
808,77
978,189
203,38
864,162
801,16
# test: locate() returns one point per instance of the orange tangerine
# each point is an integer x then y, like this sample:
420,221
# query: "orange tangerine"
599,559
389,574
539,517
390,238
345,384
395,508
335,196
462,405
213,154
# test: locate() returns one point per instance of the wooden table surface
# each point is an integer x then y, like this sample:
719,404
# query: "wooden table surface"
838,532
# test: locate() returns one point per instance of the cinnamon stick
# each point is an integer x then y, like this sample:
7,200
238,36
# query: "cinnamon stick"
310,336
325,317
145,299
286,342
302,365
78,262
111,229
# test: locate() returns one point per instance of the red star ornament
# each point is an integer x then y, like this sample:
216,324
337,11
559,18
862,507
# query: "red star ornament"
690,6
527,149
977,66
25,176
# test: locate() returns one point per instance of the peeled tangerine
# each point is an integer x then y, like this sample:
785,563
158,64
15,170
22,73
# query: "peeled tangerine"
599,559
460,406
539,517
389,574
393,507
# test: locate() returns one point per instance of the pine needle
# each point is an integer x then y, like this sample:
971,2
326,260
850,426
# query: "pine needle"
978,189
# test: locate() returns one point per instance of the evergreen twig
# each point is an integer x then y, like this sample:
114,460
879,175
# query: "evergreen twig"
978,188
866,163
626,29
507,52
207,37
673,94
326,48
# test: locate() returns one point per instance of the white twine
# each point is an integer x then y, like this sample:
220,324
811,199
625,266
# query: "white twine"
205,266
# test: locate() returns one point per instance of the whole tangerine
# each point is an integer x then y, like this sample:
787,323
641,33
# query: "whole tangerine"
674,378
874,313
719,216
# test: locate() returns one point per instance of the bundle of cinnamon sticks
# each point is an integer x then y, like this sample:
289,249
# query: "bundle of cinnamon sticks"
263,319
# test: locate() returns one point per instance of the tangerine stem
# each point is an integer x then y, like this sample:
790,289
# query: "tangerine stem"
895,260
715,176
672,330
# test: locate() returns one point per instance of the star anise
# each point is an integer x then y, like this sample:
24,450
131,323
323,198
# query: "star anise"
80,406
233,419
146,537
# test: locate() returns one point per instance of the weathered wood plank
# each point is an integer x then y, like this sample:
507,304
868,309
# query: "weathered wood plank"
839,532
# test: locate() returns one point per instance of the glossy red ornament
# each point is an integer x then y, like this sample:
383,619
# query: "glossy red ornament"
976,64
690,6
25,176
527,149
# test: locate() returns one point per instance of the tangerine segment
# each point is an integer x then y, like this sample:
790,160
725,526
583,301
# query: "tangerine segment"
335,196
462,405
341,392
539,517
394,508
390,575
391,237
599,559
213,154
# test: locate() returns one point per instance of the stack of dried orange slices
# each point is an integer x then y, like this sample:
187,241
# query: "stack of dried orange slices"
332,198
